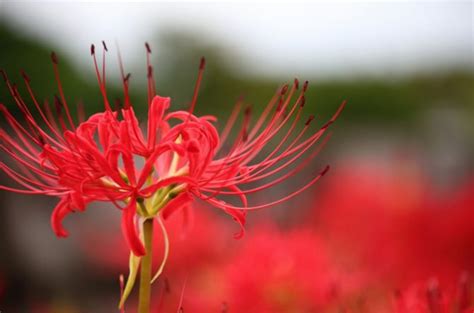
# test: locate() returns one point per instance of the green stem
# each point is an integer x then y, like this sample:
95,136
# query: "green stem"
145,269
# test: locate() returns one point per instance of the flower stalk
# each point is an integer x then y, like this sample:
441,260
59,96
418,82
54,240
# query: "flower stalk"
145,268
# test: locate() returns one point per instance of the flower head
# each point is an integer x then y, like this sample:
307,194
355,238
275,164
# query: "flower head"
154,173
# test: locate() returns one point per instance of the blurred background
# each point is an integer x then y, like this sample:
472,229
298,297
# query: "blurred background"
396,209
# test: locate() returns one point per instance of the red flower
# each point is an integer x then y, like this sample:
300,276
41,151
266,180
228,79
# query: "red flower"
419,231
97,159
429,298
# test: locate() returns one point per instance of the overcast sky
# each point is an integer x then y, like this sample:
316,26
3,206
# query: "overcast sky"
277,39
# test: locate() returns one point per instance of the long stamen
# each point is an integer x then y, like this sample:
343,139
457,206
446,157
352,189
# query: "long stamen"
202,65
150,76
54,58
100,80
125,81
38,107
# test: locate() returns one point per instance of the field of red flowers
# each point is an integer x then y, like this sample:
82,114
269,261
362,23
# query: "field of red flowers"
374,238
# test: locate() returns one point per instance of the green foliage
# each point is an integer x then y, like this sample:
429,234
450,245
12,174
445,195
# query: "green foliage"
400,102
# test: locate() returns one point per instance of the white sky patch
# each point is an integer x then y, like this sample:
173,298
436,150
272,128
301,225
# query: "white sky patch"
334,38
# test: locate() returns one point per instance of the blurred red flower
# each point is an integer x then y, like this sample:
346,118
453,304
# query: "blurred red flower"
269,271
395,223
432,298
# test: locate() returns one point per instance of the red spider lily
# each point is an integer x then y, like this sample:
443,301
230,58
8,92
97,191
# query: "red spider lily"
273,271
419,232
96,160
284,272
431,298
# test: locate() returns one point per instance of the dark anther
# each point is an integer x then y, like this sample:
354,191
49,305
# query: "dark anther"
54,57
305,86
326,169
58,104
202,64
25,76
4,75
303,101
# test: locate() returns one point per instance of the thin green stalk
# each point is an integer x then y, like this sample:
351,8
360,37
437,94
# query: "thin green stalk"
145,269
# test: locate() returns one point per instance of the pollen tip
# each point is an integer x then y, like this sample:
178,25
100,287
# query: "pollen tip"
284,89
245,137
202,64
15,90
303,101
248,110
57,103
41,140
127,77
105,46
92,49
325,170
25,76
54,57
327,124
4,75
305,85
297,83
309,119
147,46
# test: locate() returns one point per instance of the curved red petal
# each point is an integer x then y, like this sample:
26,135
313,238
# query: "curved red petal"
129,229
60,211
